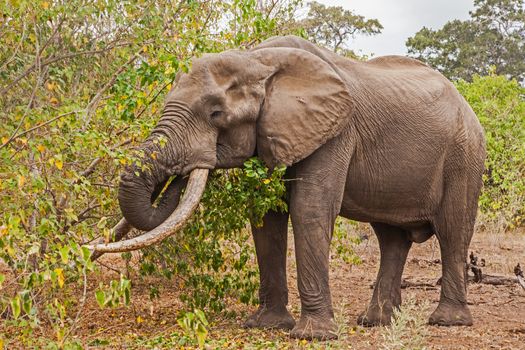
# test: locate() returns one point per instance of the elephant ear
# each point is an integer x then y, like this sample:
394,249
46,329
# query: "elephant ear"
306,104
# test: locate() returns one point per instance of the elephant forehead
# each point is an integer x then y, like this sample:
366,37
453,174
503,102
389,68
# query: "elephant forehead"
223,68
223,64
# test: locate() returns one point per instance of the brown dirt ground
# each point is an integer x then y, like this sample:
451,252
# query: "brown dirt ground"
498,311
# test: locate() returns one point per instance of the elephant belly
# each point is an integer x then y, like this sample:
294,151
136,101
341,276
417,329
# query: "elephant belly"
406,196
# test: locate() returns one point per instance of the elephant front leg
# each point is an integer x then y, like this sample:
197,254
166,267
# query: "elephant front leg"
315,202
270,245
312,241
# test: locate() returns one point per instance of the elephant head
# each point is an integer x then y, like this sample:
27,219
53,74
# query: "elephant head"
278,103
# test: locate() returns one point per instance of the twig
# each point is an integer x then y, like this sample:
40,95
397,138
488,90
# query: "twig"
33,94
89,170
519,275
109,267
153,98
80,308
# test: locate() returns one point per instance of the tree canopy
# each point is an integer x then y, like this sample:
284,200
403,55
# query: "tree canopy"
493,36
333,26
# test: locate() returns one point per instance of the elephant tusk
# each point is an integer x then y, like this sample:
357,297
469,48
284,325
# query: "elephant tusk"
118,233
190,200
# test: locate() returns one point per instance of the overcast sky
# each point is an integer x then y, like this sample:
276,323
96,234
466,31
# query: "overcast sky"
401,19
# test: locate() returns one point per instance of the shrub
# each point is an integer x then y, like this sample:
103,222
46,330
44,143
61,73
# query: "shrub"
499,104
81,84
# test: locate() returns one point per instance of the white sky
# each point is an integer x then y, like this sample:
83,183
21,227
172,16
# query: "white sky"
401,19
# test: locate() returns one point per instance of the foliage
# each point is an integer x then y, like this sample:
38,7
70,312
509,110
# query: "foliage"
343,243
119,293
499,104
81,85
212,255
493,36
333,26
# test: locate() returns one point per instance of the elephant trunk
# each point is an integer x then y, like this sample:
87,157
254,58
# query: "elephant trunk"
142,182
174,222
138,200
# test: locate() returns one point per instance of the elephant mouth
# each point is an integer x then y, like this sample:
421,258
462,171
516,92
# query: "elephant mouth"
170,185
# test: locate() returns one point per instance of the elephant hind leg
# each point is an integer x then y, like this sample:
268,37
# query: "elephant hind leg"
394,245
454,226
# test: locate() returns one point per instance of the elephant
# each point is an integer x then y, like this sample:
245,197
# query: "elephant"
388,141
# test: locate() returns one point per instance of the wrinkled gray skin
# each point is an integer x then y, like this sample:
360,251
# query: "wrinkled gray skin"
388,141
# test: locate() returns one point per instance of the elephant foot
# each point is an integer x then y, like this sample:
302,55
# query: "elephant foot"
270,318
311,327
451,315
376,316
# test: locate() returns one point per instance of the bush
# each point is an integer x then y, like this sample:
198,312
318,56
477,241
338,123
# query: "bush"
499,104
81,84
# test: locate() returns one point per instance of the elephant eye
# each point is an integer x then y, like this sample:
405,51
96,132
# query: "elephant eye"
216,114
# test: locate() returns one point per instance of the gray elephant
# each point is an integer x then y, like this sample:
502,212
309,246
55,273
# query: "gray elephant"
388,141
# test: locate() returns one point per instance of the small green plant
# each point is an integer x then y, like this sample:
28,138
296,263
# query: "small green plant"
343,242
194,325
119,292
408,328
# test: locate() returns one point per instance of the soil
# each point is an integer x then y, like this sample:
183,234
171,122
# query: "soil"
498,311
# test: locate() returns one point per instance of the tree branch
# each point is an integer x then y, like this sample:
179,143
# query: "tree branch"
92,105
14,137
56,59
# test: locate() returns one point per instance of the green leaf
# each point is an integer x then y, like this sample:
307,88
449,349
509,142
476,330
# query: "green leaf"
101,298
16,306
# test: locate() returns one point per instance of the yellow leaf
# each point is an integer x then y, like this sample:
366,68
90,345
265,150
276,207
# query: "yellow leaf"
53,100
139,320
154,155
168,87
50,86
41,148
153,109
60,277
21,181
3,231
59,164
145,48
266,181
45,5
10,250
122,161
4,140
